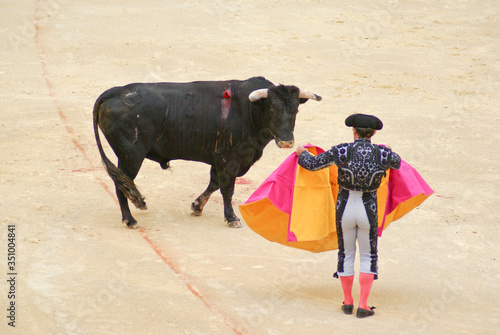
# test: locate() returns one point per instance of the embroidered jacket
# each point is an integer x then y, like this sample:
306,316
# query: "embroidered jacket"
361,164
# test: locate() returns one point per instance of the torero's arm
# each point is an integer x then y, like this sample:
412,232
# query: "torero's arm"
314,163
395,161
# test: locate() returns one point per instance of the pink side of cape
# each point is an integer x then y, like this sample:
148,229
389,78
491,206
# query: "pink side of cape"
278,187
404,184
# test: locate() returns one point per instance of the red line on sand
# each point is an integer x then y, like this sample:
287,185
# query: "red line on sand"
183,278
168,261
55,100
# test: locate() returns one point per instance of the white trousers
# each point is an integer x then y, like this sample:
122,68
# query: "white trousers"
355,226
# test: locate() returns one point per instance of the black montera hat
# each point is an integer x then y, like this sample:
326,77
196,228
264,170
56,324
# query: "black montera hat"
364,121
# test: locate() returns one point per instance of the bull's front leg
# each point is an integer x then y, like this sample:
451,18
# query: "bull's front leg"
226,182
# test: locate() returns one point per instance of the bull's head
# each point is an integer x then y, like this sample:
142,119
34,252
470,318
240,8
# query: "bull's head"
281,107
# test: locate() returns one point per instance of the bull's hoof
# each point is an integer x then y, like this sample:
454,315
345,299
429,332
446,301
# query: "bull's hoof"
131,225
195,207
234,224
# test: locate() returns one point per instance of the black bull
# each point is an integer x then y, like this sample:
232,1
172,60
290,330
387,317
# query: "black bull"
225,124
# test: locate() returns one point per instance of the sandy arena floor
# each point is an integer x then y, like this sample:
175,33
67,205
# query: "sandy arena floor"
429,69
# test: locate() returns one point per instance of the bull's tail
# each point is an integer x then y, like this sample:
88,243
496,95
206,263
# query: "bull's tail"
122,181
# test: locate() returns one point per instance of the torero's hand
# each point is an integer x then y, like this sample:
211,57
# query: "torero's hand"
300,149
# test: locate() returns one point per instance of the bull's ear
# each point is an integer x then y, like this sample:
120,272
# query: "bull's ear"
302,100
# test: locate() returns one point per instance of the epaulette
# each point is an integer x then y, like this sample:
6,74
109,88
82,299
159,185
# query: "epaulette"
343,153
383,156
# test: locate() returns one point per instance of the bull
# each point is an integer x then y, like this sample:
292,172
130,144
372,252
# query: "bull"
225,124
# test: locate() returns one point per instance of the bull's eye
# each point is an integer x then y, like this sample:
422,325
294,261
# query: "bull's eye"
273,113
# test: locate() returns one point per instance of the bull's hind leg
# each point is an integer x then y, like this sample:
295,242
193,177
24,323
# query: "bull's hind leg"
131,168
201,201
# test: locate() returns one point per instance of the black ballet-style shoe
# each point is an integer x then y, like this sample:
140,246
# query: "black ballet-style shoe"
347,308
363,313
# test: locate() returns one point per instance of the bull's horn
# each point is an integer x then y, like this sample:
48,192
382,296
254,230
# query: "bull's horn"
258,94
309,95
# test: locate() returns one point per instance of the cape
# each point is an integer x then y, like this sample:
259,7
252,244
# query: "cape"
296,207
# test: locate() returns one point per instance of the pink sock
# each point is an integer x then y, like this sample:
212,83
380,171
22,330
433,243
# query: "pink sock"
365,285
347,287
